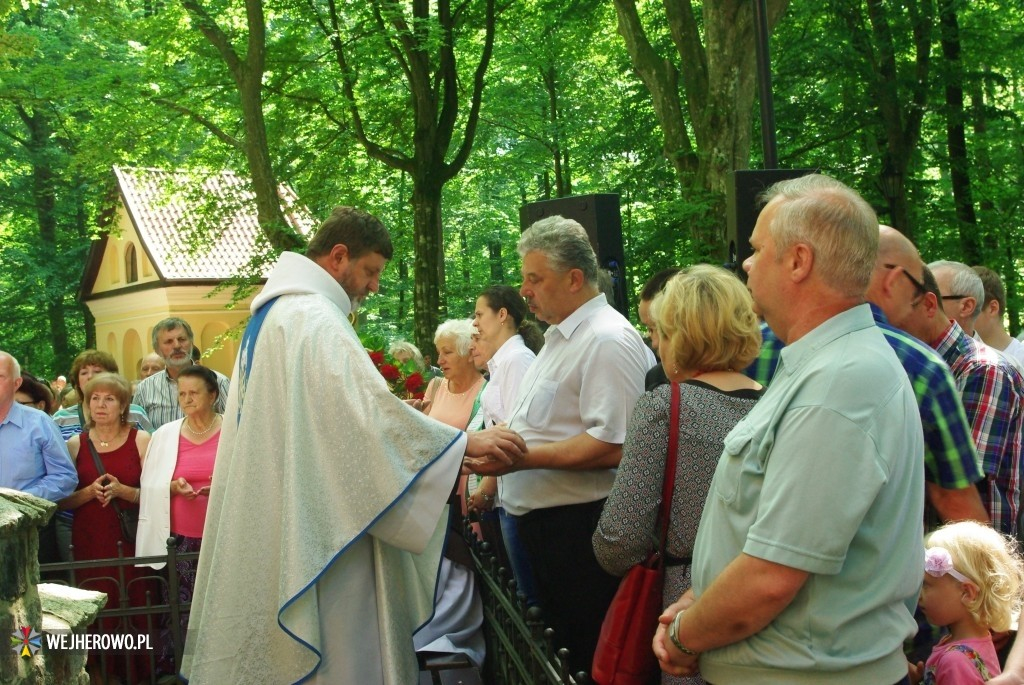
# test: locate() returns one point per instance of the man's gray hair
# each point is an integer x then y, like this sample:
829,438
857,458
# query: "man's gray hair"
565,244
460,331
170,324
834,221
964,281
15,366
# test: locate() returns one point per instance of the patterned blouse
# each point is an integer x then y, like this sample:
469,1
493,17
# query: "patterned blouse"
625,534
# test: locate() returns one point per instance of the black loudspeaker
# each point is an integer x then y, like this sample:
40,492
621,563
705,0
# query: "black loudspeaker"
742,208
599,215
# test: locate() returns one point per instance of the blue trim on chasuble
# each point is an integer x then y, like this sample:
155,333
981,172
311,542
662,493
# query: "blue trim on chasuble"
360,535
248,349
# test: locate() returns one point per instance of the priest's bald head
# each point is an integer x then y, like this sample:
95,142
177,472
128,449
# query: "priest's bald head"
353,247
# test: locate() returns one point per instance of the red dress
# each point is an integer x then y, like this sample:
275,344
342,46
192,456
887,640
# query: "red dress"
95,533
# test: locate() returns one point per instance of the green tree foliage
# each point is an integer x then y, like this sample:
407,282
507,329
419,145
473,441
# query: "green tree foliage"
51,90
375,104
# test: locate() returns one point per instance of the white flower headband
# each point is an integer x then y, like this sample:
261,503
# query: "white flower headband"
938,562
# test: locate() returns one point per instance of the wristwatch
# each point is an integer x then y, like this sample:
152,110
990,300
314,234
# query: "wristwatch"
673,634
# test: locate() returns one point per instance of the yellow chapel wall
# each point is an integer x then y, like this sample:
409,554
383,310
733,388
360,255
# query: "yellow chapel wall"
124,324
113,272
124,321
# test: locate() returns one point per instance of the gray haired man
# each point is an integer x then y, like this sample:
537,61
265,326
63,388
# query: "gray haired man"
572,410
158,394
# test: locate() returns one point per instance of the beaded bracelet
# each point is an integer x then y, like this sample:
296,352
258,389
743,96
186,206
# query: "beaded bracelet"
673,634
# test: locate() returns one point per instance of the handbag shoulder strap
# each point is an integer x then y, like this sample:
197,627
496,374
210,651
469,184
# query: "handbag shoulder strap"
96,458
668,486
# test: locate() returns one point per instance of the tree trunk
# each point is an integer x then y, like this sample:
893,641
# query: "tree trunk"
717,69
428,270
901,98
956,139
429,69
261,171
247,73
560,158
497,267
44,198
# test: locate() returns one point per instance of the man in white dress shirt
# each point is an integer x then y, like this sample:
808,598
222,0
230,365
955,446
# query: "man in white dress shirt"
572,409
989,324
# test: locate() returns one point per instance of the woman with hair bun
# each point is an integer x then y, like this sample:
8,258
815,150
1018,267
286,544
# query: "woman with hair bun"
508,343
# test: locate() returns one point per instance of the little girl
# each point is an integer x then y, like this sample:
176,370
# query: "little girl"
972,584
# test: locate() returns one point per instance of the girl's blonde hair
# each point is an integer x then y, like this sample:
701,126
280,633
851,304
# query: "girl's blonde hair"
991,561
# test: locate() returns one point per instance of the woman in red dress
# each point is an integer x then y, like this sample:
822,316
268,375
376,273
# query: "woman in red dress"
96,531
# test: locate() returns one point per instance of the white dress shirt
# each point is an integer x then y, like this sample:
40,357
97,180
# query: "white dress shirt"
506,367
586,378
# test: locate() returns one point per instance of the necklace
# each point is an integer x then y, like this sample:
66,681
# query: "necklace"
193,431
105,443
458,394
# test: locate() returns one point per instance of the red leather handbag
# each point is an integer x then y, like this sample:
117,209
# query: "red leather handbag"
624,655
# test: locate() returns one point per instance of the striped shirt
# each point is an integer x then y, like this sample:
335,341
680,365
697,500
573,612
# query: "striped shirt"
950,458
158,395
992,392
69,420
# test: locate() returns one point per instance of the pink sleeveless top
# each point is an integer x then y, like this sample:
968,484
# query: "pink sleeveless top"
195,465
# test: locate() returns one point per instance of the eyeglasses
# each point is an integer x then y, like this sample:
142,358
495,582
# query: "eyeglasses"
955,297
919,289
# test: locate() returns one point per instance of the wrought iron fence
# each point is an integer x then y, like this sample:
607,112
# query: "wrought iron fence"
520,648
159,619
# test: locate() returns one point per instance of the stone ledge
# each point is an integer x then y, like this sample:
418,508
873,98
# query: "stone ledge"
19,510
66,608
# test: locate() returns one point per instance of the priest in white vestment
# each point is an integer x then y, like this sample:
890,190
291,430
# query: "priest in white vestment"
326,519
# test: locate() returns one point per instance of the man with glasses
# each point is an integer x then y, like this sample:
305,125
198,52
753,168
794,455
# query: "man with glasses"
33,457
992,394
950,457
895,292
961,292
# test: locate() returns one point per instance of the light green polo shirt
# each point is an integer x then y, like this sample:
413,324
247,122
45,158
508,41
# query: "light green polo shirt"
825,475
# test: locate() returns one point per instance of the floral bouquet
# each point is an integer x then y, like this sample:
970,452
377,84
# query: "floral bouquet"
405,380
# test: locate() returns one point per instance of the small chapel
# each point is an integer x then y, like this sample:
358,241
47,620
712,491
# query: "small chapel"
172,242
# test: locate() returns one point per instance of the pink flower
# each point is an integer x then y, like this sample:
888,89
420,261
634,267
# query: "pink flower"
938,562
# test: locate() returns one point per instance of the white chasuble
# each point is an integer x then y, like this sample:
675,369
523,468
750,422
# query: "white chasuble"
327,513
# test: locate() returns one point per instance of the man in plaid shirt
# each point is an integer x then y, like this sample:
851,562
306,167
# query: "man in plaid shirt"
992,393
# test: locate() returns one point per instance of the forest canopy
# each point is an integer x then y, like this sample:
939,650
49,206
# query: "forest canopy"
444,118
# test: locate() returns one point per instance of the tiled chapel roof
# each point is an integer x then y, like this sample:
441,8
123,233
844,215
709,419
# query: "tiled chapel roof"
167,207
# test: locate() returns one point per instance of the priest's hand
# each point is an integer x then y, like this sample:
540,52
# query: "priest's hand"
494,451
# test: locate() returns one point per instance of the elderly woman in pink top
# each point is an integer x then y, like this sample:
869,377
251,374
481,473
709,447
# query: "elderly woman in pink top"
176,477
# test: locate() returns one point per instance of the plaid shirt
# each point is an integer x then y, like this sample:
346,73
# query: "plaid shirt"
992,392
950,459
763,368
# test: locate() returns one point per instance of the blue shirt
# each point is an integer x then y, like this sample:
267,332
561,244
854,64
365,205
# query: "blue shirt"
33,458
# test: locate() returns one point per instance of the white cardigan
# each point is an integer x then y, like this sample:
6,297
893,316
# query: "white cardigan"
155,497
